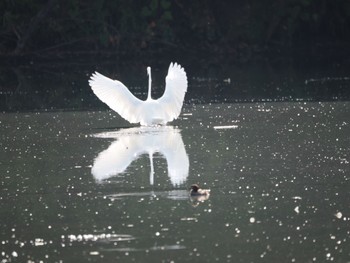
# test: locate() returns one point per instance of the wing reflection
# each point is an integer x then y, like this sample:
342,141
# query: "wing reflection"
133,142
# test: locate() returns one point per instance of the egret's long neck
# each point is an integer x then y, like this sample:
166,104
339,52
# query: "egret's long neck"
149,83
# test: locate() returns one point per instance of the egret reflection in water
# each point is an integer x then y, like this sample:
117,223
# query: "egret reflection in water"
131,143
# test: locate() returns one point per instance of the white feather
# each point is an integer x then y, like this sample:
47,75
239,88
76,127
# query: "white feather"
149,112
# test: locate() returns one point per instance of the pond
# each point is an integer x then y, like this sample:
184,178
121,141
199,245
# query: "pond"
81,186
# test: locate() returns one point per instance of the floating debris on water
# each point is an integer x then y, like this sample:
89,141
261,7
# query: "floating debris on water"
97,237
225,127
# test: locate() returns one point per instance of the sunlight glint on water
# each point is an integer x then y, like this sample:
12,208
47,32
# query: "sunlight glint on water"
278,174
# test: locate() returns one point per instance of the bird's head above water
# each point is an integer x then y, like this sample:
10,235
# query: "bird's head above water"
149,71
194,188
197,191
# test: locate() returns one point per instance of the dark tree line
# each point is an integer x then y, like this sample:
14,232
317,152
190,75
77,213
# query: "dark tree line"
55,26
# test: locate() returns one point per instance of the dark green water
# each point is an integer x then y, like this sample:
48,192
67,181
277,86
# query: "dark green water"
77,186
42,86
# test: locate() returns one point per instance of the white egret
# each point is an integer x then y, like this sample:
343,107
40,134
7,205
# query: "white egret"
149,112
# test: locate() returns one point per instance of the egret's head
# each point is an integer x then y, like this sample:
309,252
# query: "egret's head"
149,71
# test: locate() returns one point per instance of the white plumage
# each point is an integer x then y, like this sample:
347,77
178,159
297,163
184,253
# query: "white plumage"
132,143
149,112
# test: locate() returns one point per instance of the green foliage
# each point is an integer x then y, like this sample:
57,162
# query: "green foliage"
158,6
199,24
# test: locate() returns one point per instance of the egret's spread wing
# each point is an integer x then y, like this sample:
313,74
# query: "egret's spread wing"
116,96
175,89
119,155
175,154
112,161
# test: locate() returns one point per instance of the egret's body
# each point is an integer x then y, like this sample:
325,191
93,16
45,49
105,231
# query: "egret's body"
149,112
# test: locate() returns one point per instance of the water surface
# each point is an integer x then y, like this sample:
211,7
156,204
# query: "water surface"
81,186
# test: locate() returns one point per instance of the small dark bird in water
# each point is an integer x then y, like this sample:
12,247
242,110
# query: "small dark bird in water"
197,191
